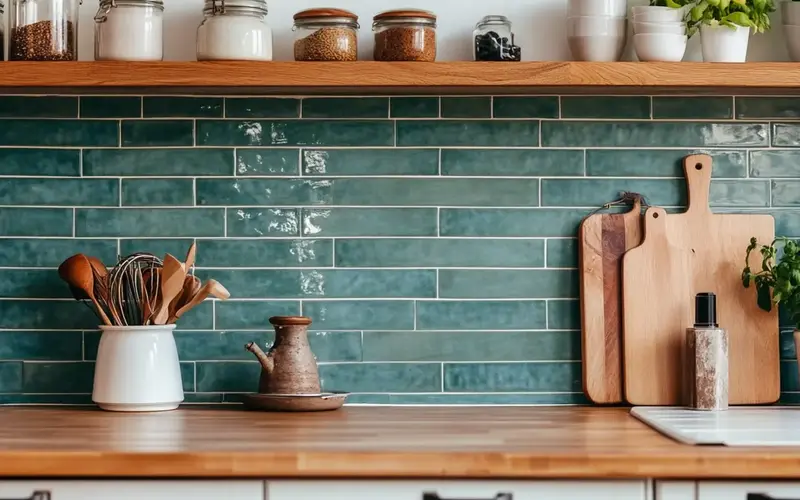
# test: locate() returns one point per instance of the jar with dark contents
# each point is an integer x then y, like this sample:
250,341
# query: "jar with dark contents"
326,35
494,40
405,35
43,30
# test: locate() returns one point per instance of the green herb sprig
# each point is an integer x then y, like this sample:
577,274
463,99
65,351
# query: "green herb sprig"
752,14
778,281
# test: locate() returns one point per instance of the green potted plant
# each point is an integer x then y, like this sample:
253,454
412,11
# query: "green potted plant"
725,26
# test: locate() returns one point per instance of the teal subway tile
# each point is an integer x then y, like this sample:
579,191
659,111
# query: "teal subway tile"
71,133
333,283
774,163
789,398
15,106
507,284
526,107
47,377
415,107
787,223
430,252
55,162
36,221
480,315
157,162
265,253
46,399
700,107
787,347
11,376
786,134
660,162
66,192
29,252
466,107
368,399
203,398
786,321
512,377
262,107
199,318
767,107
512,162
725,193
111,107
159,247
346,107
789,376
647,134
786,193
381,377
32,283
361,314
252,191
183,107
149,133
629,107
228,376
563,315
187,376
511,222
562,253
370,162
252,315
472,346
467,133
259,222
295,133
505,399
150,222
46,315
257,162
157,192
229,345
369,221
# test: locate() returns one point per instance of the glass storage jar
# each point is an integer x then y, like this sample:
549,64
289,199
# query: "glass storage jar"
234,30
494,40
43,30
326,35
129,30
405,35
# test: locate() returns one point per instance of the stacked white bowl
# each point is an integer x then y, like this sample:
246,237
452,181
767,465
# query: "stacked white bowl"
596,29
790,12
659,33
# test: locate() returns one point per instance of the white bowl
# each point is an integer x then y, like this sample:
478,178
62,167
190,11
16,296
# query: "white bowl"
793,41
790,12
658,15
596,26
674,28
615,8
596,48
659,46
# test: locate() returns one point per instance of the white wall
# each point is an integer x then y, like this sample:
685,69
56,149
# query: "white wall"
538,24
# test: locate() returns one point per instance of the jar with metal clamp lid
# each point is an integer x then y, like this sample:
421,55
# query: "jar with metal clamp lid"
43,30
234,30
129,30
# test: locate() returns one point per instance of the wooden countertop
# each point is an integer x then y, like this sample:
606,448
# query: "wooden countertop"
362,442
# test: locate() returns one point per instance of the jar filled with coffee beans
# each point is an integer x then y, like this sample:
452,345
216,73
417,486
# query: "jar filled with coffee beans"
405,35
326,35
494,40
43,30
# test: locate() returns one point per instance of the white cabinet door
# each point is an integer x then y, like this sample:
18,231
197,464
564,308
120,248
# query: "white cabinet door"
457,490
755,490
132,490
676,490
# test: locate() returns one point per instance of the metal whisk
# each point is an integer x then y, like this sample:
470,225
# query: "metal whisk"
133,289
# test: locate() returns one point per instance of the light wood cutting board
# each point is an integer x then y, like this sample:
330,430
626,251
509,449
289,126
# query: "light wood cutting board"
717,243
602,241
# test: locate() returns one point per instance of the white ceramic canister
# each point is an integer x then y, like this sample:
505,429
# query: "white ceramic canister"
137,369
129,30
723,44
234,30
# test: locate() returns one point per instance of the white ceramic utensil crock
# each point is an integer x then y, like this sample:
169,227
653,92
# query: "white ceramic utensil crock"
137,369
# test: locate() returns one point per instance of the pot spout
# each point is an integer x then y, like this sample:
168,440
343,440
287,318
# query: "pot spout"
267,363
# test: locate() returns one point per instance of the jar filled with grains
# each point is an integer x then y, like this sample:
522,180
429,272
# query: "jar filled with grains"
43,30
234,30
129,30
326,35
405,35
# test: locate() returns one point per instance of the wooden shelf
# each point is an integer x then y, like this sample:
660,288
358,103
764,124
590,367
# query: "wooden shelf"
367,77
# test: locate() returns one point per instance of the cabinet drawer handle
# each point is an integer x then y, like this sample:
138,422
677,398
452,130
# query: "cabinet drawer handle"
762,496
499,496
37,495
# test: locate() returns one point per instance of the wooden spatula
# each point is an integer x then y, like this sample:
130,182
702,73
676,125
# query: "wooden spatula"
211,287
172,278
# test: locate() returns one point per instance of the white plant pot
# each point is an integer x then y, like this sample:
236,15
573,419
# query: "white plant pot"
137,369
724,44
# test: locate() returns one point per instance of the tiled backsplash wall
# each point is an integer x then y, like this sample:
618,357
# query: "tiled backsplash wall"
432,240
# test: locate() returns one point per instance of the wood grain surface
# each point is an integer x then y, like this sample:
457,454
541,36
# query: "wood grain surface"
366,442
602,241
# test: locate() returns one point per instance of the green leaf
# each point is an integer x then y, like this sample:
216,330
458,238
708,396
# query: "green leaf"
672,5
746,277
698,11
764,298
724,4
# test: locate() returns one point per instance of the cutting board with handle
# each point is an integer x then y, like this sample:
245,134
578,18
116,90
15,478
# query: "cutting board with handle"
717,244
602,241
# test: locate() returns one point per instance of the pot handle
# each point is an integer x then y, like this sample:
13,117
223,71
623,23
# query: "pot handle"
36,495
499,496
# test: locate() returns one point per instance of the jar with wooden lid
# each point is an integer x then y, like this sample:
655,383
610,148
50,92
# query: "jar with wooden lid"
405,35
43,30
326,35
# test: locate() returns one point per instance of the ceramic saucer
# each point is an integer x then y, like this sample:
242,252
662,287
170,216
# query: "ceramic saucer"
295,402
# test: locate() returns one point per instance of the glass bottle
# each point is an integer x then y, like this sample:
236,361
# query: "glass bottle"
405,35
43,30
234,30
494,41
325,35
129,30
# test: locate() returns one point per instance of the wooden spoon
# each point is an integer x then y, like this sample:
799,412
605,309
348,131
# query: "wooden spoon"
190,257
190,287
173,275
98,267
77,271
212,287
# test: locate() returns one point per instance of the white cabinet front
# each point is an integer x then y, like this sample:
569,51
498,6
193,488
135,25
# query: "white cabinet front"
131,490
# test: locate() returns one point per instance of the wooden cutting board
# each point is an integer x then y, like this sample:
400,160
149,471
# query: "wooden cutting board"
717,243
602,241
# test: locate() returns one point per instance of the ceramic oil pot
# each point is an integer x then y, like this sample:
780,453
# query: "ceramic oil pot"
289,367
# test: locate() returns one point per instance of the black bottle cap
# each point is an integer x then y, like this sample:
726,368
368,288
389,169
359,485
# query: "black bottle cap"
705,310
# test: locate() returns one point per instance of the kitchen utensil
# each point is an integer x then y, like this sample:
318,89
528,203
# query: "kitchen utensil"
656,280
77,271
173,275
665,47
211,287
190,257
98,267
294,402
191,285
602,241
